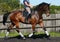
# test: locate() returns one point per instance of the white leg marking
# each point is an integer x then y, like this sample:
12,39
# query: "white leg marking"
21,35
7,34
46,32
30,34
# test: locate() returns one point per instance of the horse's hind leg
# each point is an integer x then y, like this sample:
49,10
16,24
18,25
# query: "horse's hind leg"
8,30
17,26
33,28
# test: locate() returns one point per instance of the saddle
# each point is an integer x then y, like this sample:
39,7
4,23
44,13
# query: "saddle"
26,15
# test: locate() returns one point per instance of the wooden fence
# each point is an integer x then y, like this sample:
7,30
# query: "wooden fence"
54,19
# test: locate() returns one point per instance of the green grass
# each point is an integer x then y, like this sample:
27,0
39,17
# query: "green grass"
13,34
55,34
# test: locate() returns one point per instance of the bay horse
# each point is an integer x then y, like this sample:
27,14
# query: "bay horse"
17,16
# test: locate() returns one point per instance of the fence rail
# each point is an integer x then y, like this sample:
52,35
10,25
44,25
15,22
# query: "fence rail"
36,27
31,27
43,20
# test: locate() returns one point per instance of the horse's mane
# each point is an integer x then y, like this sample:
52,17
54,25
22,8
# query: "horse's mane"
43,3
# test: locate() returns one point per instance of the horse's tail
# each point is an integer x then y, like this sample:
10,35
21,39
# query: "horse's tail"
5,16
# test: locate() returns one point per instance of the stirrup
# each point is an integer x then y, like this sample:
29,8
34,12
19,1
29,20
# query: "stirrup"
26,20
29,16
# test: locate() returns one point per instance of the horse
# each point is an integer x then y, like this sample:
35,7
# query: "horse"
17,16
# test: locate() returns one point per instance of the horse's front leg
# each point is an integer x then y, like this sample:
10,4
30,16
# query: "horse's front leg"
33,28
42,25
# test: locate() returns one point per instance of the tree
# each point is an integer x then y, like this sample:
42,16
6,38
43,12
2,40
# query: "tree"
9,5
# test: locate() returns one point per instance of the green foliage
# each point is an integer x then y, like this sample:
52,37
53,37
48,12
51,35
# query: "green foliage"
54,9
9,5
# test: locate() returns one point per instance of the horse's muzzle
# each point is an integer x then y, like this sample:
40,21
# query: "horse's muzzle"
47,14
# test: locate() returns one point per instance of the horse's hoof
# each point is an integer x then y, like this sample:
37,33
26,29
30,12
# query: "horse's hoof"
24,38
48,37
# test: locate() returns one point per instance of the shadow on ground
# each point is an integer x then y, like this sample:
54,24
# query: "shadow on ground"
41,36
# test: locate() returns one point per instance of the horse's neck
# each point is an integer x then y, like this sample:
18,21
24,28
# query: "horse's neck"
40,13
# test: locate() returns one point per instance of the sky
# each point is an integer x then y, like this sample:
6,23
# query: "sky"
36,2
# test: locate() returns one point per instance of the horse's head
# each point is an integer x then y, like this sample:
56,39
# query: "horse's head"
44,8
